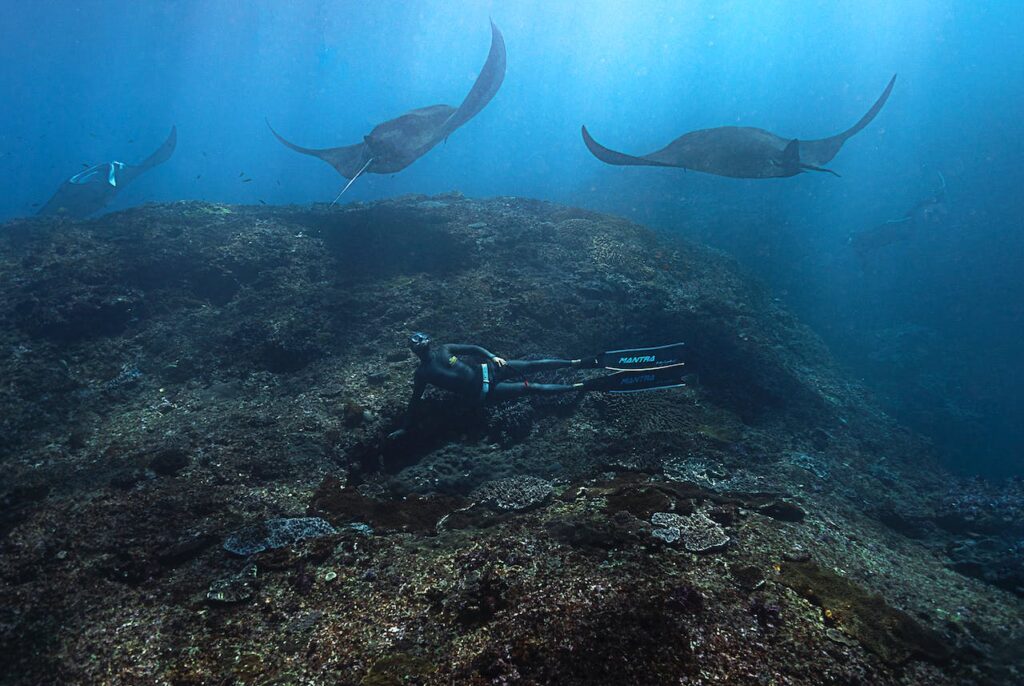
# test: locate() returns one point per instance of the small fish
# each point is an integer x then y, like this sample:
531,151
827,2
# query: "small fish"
246,180
35,204
198,176
262,201
241,174
85,164
204,153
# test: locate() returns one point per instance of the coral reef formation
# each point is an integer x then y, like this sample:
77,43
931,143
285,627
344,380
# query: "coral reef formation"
179,375
696,532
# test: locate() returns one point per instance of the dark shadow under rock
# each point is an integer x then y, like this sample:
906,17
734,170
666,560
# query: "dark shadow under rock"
362,241
597,533
168,461
622,638
417,514
782,510
997,561
77,316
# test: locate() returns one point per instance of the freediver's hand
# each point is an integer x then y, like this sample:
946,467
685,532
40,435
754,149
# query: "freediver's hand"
395,435
499,361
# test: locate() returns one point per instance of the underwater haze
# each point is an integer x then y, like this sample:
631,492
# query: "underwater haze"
934,323
528,342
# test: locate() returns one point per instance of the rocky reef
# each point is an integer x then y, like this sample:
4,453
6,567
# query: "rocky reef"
199,487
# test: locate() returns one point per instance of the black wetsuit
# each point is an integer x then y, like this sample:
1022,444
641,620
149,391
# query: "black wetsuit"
479,377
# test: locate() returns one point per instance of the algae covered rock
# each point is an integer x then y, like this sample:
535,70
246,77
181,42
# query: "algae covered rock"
891,634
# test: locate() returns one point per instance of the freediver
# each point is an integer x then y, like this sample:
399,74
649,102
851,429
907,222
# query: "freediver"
486,378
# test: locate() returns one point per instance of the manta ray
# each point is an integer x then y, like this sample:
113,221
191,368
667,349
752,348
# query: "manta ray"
743,152
91,190
926,212
394,145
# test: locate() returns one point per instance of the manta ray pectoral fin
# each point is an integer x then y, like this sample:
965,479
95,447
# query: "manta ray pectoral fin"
609,156
126,173
164,152
347,160
821,151
484,88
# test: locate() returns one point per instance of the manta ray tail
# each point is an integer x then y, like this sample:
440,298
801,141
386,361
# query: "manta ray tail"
350,182
811,167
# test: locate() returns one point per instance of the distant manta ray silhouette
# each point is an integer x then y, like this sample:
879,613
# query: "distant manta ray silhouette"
394,145
742,152
91,190
928,211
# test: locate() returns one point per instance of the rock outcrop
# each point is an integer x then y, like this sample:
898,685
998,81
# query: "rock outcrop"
175,373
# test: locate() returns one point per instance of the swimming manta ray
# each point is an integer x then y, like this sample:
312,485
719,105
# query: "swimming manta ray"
928,211
742,152
92,189
397,143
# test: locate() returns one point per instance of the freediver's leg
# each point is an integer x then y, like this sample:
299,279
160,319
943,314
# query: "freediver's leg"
524,367
532,366
505,390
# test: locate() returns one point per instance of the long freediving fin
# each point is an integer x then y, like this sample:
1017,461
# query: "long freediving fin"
642,358
637,380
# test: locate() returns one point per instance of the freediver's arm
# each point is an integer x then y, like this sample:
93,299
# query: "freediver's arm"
461,349
419,386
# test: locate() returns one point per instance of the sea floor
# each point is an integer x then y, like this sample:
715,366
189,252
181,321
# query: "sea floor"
198,485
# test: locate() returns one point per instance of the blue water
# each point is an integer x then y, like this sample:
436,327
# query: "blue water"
934,325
